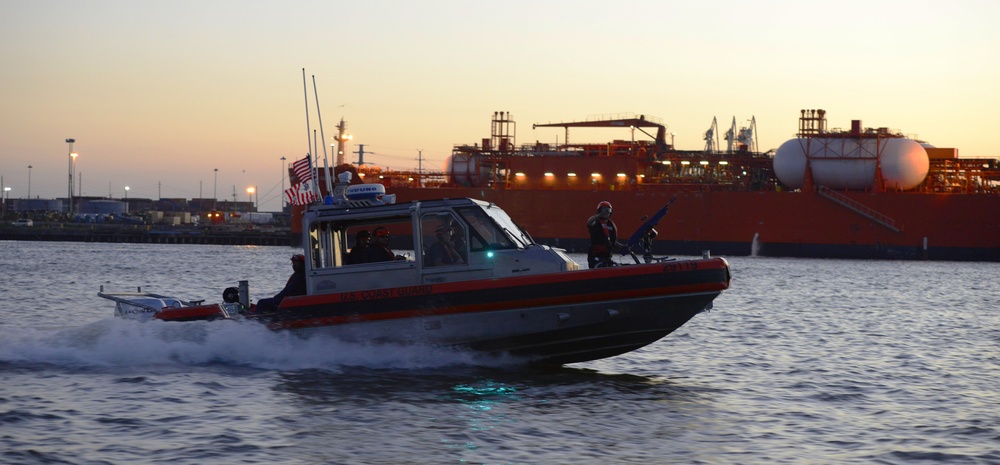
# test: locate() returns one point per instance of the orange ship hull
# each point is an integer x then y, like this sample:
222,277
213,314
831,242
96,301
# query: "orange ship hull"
730,202
768,223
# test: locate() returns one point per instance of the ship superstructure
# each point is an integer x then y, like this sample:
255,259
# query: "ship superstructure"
857,193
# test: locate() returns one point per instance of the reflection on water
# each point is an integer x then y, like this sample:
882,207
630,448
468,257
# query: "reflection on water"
471,412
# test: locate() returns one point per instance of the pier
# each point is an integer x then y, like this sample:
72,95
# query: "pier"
60,232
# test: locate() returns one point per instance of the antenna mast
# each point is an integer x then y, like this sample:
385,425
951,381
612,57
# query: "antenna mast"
305,95
326,161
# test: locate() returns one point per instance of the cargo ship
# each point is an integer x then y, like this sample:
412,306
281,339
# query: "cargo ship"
862,193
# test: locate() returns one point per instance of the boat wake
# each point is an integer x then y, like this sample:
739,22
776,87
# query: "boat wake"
116,342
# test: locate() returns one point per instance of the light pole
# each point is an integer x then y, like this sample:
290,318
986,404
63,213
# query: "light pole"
631,148
6,191
126,199
282,193
250,191
215,188
69,169
29,181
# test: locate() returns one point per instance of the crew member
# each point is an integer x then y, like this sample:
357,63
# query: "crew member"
296,285
442,251
603,235
379,251
359,254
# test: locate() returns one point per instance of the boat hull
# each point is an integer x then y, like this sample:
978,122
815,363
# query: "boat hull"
553,319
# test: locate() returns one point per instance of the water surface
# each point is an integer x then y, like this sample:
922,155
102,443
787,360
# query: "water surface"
801,362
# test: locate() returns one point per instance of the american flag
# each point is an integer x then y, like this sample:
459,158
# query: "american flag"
303,170
301,194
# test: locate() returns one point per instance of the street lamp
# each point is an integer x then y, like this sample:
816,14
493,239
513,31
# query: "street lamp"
126,199
29,181
250,191
282,193
631,148
72,159
6,191
215,188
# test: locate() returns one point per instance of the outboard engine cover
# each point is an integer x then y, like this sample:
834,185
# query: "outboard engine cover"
231,295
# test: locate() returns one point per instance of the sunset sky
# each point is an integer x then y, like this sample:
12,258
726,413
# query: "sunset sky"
158,94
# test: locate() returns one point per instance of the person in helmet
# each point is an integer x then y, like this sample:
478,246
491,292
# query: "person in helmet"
379,251
603,235
359,254
442,251
296,285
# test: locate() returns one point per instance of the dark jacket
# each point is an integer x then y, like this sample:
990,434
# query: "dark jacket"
379,253
296,285
359,254
602,232
443,253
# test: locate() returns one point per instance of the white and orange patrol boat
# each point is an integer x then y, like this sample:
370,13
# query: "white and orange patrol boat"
506,295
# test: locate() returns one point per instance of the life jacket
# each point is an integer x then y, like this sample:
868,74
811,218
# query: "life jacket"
602,232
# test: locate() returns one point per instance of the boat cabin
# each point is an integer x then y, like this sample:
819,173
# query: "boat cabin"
429,242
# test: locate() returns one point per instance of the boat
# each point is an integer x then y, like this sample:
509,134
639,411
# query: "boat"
862,193
507,295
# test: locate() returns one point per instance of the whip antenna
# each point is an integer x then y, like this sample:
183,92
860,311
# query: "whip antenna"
326,161
305,95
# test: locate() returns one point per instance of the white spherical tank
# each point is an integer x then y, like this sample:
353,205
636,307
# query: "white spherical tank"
905,164
790,163
850,163
465,170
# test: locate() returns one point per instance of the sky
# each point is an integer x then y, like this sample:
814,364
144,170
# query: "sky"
160,94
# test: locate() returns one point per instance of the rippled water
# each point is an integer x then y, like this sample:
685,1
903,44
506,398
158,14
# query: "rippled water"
801,362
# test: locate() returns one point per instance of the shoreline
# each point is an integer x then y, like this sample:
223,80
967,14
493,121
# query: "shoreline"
145,235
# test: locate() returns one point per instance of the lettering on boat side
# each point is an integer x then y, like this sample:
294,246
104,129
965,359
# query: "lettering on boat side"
680,266
136,310
388,293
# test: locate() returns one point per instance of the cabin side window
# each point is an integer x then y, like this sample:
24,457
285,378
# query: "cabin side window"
444,241
384,240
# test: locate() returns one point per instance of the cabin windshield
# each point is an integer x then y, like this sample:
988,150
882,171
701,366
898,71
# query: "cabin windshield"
490,231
